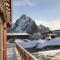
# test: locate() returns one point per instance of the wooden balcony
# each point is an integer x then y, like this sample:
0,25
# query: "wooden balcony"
6,12
17,52
24,54
5,22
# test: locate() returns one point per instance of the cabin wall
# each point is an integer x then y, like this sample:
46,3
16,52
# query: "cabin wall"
1,39
4,22
1,33
18,37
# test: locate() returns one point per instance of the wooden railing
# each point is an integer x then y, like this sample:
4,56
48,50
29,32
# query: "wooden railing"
24,54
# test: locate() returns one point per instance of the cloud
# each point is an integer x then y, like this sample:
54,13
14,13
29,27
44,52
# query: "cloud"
54,26
23,3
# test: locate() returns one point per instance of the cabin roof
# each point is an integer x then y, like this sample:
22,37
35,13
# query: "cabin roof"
52,34
14,34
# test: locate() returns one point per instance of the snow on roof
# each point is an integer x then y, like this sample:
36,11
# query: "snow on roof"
17,34
52,34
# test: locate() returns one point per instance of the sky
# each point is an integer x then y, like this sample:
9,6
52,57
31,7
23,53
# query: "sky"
45,12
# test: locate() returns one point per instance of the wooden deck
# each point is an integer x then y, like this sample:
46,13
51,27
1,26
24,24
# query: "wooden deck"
17,52
17,55
12,53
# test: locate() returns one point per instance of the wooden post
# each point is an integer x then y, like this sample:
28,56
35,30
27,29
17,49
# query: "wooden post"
1,40
4,41
3,29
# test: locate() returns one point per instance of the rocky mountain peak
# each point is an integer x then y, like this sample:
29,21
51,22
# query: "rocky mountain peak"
27,24
23,16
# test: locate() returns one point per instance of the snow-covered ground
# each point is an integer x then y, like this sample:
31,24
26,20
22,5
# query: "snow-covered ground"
11,53
42,55
55,41
48,55
39,43
27,44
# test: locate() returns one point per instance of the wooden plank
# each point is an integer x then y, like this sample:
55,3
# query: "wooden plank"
8,12
7,8
24,52
18,55
1,40
4,42
3,7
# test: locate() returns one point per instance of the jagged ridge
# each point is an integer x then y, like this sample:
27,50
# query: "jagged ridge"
27,24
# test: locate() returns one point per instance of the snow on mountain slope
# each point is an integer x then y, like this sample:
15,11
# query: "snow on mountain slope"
39,43
55,41
31,44
43,28
52,42
25,24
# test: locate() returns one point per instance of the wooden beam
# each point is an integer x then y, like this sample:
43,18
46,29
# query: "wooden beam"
5,5
7,8
1,40
4,41
8,12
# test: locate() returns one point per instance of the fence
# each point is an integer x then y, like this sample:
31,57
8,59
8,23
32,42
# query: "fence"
24,54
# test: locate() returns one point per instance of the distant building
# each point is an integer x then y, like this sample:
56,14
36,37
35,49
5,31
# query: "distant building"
18,36
49,36
36,36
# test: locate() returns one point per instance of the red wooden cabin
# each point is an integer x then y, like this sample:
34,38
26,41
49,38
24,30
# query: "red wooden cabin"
5,22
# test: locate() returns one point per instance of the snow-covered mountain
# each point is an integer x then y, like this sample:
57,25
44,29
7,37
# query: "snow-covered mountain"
43,28
26,24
